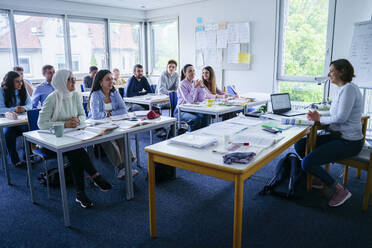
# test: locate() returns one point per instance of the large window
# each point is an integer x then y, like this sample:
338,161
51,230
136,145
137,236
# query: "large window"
38,43
6,55
87,45
164,44
302,50
124,44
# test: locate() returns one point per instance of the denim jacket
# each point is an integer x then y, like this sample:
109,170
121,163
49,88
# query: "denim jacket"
96,105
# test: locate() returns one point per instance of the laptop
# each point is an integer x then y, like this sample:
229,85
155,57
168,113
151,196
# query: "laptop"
281,105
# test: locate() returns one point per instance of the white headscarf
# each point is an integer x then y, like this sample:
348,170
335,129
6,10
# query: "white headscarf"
59,82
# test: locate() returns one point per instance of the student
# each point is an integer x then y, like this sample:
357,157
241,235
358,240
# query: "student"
137,86
14,98
64,105
27,83
191,91
88,80
169,80
105,101
209,81
119,81
345,137
45,88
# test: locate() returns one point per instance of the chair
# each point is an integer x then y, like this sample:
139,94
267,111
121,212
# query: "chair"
85,106
82,87
153,87
231,90
173,99
362,161
32,116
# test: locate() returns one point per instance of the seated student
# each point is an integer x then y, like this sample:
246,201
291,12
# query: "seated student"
27,83
137,85
209,81
14,98
88,80
119,81
169,80
105,101
45,88
345,138
64,105
191,91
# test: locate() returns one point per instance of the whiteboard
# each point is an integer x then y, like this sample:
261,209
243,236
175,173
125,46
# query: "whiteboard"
360,54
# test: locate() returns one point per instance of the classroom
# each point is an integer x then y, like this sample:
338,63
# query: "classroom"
190,123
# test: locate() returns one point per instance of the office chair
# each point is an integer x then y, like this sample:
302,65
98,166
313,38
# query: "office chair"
173,99
82,87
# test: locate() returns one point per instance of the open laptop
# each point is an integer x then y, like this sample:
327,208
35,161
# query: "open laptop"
281,105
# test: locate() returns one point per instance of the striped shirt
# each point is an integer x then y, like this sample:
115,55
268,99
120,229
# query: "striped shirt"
187,93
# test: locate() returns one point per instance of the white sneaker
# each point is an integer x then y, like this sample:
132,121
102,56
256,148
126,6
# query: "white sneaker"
121,174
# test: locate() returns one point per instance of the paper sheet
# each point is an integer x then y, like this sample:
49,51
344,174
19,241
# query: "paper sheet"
244,58
222,38
244,32
233,30
242,120
233,51
212,58
229,128
199,58
201,40
211,39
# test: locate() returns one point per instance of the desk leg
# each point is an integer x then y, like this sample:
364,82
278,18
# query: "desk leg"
152,200
4,155
137,151
128,168
29,169
310,145
179,118
150,108
62,184
217,118
238,211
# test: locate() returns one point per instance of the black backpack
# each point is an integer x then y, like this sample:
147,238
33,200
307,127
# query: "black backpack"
53,177
289,167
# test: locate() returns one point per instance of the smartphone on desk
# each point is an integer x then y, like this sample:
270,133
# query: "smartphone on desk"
270,130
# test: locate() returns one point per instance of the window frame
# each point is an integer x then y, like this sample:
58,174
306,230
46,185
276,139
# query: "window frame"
26,74
280,45
151,48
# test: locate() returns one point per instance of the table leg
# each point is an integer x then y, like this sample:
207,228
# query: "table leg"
152,200
137,151
29,169
128,168
62,184
150,108
217,118
4,156
238,211
179,117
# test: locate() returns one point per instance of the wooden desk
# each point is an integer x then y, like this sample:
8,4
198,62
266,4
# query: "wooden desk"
208,163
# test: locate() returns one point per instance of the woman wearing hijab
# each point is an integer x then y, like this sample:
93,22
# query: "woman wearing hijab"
64,105
105,101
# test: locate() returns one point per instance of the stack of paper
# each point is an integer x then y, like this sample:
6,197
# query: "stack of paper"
194,140
256,140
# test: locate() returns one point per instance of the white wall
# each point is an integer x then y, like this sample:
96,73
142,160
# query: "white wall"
64,7
260,13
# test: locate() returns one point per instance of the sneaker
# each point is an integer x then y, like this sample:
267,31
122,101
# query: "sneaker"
339,196
121,174
21,164
316,183
84,201
101,183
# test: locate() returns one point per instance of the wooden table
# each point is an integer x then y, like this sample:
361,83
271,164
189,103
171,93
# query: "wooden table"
208,163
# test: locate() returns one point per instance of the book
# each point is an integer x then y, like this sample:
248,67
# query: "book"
92,132
127,124
194,140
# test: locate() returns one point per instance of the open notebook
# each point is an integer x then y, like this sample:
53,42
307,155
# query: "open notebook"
92,132
194,140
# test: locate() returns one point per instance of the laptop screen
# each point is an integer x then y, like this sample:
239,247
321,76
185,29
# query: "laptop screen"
280,102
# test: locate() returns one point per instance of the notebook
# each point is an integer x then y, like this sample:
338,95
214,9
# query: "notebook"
194,140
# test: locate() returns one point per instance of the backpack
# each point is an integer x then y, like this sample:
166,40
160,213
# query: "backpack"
53,177
289,167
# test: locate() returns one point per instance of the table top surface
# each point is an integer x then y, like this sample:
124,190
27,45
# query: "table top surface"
147,99
48,139
22,120
207,157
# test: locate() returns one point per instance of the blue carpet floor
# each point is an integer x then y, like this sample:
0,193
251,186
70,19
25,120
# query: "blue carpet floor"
192,211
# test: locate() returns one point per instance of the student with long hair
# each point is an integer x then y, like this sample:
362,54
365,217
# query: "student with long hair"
14,98
191,91
64,105
105,101
209,81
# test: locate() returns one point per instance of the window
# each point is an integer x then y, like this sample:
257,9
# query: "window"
125,44
302,47
164,44
39,41
25,63
87,45
6,55
61,62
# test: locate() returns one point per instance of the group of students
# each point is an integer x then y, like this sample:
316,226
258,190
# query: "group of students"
61,103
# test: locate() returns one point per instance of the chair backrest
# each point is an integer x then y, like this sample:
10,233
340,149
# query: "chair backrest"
364,127
231,90
173,99
153,87
85,106
33,116
82,87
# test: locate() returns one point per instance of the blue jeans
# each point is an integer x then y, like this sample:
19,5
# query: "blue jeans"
195,120
329,148
11,133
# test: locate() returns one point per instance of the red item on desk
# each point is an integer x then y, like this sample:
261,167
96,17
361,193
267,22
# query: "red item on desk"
153,114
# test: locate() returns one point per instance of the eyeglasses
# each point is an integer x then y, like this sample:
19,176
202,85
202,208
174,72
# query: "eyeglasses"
71,79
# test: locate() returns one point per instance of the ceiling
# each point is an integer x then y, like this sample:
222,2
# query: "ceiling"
136,4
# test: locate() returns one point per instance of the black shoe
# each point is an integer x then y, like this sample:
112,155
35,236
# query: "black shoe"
84,201
101,183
